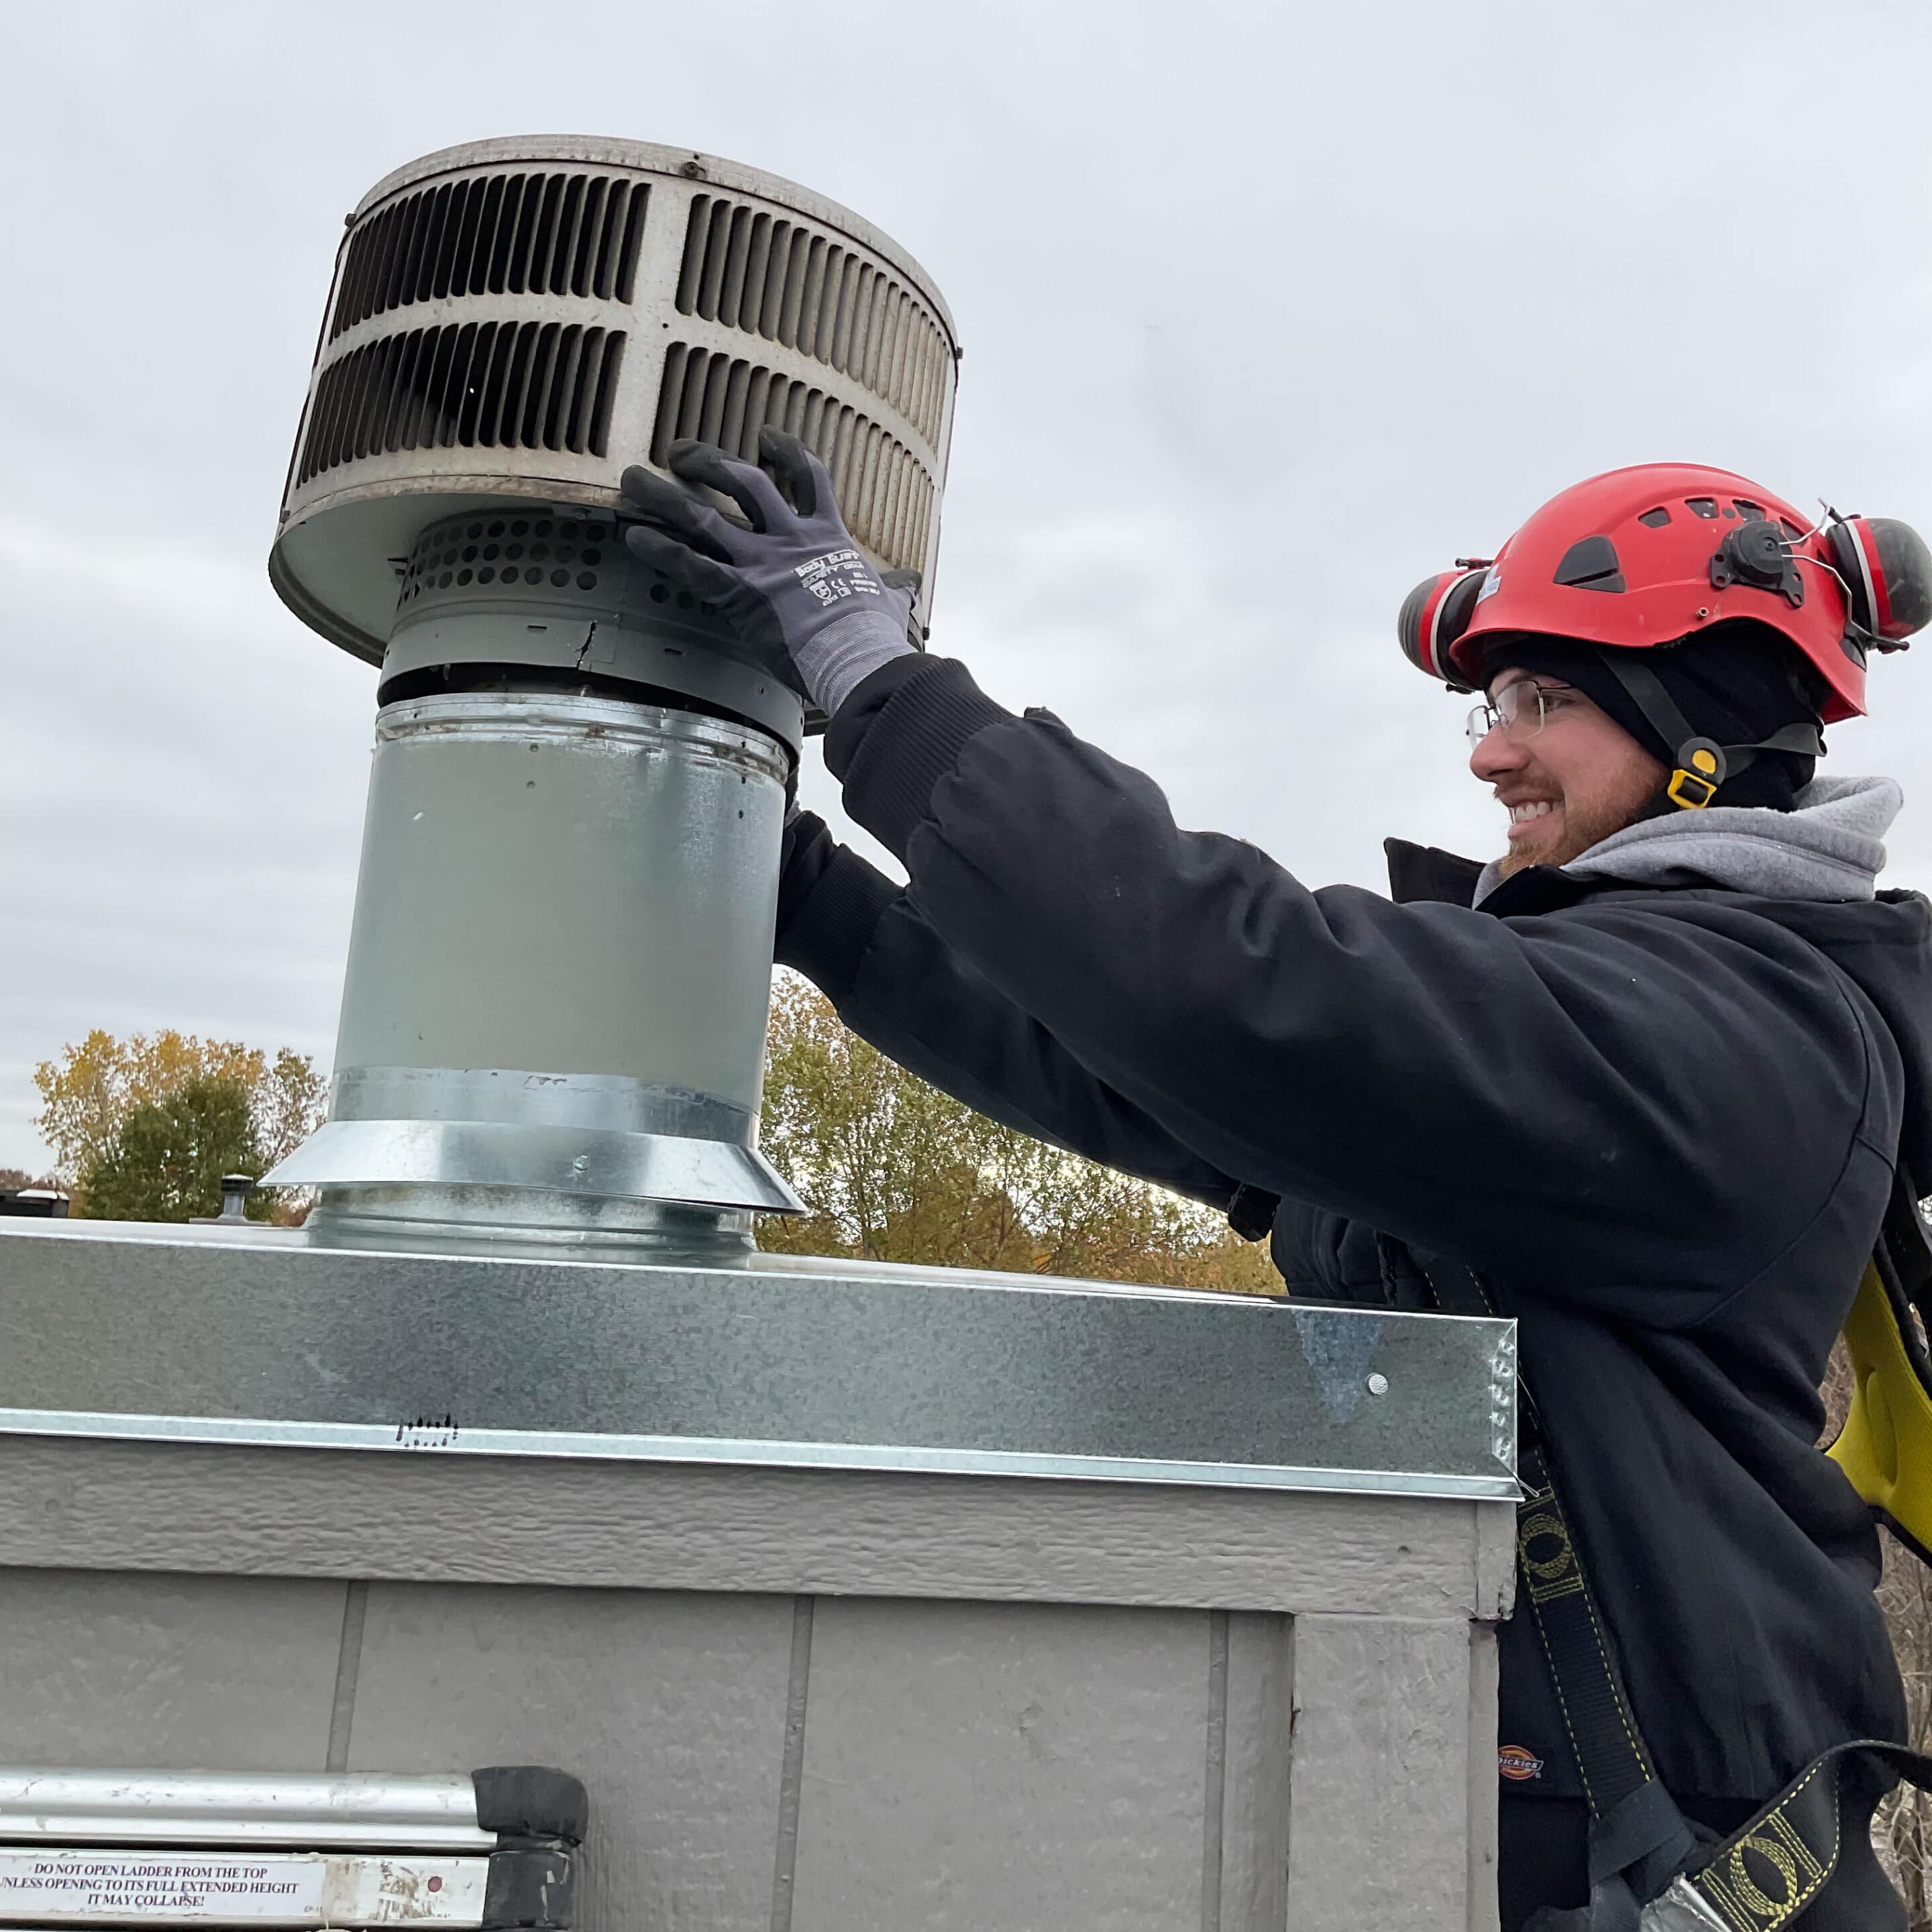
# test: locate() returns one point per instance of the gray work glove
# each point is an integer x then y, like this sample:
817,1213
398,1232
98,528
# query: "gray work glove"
794,586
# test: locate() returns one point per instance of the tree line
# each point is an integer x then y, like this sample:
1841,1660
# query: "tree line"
143,1128
891,1169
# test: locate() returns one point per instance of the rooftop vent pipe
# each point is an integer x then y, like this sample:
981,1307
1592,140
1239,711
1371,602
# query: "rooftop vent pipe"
552,1022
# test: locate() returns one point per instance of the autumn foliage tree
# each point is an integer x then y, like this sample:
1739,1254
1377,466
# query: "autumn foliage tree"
166,1161
891,1169
140,1115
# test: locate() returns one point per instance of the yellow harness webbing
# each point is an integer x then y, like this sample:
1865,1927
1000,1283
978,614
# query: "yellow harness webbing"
1885,1446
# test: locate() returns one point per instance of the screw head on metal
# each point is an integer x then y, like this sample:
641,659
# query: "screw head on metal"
1378,1383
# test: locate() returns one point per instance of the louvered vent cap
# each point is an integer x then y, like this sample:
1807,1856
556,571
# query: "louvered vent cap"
514,322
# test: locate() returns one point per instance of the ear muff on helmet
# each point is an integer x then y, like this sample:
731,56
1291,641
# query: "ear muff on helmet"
1887,571
1434,615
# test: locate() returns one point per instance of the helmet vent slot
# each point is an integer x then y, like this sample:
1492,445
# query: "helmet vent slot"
754,272
1591,565
516,386
516,234
1656,519
884,490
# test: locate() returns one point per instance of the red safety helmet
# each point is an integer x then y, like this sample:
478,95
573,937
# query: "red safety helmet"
1652,554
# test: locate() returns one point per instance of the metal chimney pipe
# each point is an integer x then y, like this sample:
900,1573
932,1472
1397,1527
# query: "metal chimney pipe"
553,1020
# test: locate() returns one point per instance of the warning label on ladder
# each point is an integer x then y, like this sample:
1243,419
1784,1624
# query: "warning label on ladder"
229,1888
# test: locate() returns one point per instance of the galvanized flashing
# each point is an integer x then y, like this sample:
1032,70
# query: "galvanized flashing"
134,1333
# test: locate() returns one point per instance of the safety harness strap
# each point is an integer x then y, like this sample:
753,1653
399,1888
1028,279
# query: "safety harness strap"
1784,1862
1808,1851
1636,1828
1634,1822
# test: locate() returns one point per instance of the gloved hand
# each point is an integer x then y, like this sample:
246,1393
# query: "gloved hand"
794,586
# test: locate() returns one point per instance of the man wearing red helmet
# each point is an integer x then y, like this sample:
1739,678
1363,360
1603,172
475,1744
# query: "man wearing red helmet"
1649,1083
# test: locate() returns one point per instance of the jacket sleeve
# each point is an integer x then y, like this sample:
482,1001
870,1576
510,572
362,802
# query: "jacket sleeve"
896,983
1656,1099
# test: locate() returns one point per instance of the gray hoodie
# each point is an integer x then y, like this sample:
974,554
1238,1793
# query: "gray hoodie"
1829,847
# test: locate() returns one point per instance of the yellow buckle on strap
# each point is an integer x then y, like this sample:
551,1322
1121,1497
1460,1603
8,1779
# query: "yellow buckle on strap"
1695,788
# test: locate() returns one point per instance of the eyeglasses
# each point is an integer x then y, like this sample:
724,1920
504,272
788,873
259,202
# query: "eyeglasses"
1522,710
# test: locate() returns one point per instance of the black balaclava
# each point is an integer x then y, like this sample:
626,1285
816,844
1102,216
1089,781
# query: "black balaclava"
1735,684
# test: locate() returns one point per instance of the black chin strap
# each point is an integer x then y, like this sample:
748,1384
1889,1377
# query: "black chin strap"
1702,764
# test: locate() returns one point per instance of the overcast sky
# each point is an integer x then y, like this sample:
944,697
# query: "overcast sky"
1268,311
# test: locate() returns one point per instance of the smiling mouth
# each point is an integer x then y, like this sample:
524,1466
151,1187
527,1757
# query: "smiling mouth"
1528,813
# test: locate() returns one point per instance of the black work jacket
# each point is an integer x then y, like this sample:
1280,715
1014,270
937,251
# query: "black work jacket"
1661,1123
